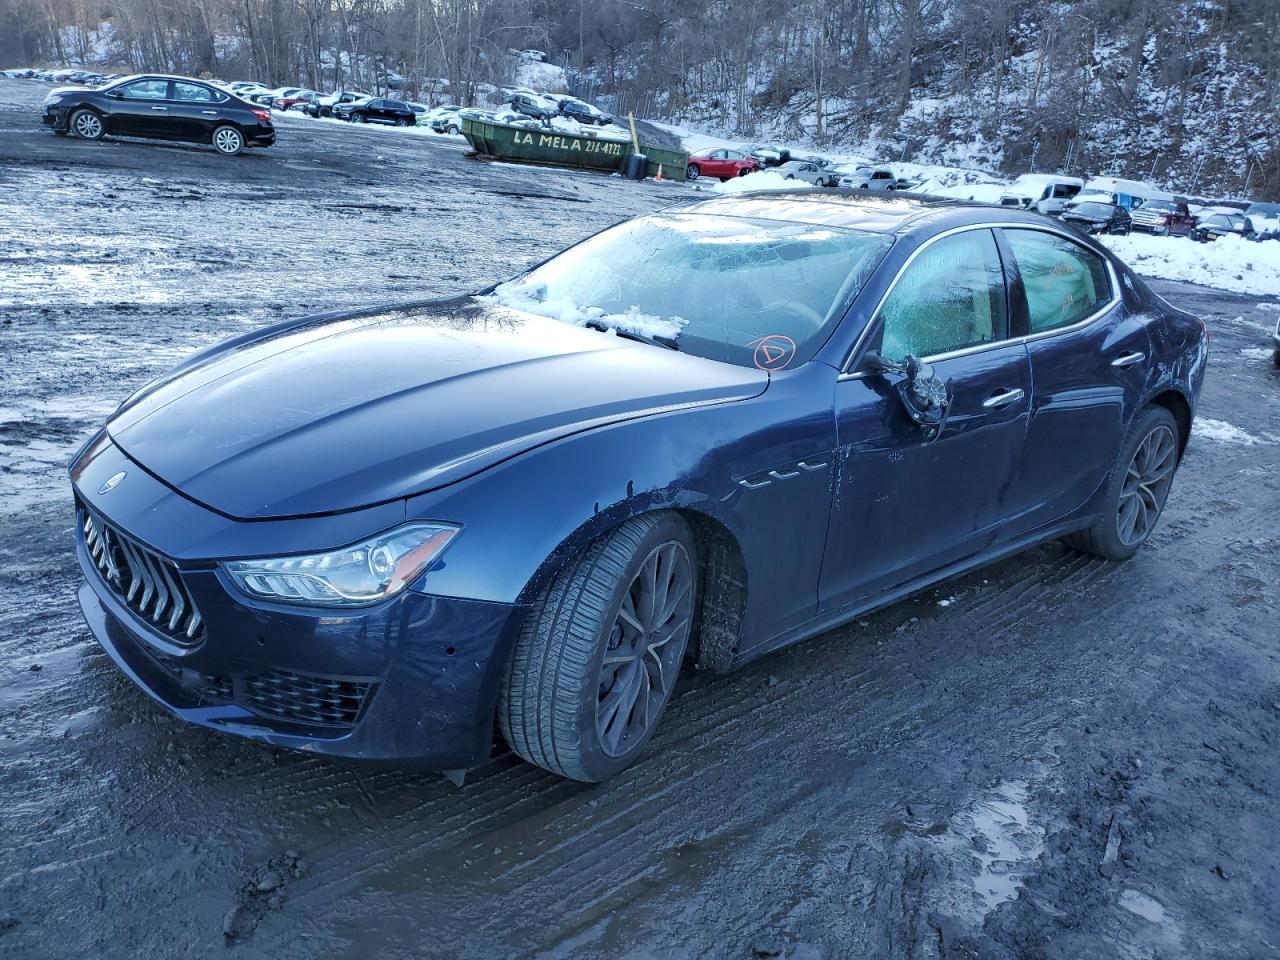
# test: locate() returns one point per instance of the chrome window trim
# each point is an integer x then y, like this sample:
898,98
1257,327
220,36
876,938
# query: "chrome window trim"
847,374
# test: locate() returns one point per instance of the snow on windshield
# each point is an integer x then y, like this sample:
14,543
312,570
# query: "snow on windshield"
717,284
531,297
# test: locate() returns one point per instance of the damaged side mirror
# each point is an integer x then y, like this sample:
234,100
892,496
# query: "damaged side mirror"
924,395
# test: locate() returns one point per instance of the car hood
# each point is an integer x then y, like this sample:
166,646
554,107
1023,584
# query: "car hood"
344,412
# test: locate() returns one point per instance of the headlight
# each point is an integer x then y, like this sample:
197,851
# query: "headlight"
50,101
365,573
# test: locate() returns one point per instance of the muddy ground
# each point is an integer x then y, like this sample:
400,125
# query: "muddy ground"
939,780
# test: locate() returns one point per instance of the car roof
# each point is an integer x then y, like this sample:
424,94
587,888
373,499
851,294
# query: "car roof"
900,214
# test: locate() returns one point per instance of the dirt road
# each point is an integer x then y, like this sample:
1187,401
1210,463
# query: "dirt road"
1056,757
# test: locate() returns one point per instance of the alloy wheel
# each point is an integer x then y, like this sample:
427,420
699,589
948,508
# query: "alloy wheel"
1146,485
645,646
88,126
228,140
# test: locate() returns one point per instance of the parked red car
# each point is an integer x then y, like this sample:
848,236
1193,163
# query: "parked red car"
298,96
720,163
1164,217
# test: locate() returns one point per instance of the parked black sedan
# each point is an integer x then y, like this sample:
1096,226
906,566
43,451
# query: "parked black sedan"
163,108
1093,217
377,110
1219,225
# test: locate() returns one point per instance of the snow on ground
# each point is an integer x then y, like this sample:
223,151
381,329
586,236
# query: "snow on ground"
1241,266
763,180
1224,432
536,75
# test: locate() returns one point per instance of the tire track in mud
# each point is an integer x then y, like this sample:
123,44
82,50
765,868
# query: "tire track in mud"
585,828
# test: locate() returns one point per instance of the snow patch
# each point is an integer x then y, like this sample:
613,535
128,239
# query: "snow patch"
1224,432
531,298
1229,263
997,832
764,180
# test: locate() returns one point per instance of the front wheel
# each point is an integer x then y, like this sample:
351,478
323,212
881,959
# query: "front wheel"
692,172
453,129
87,125
598,657
228,141
358,117
1136,489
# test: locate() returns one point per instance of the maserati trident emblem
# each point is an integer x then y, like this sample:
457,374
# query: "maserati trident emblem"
111,482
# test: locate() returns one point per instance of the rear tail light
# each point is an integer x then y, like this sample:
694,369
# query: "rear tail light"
1204,328
263,115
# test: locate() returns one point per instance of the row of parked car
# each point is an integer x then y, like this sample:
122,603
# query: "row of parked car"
1102,205
1113,205
725,163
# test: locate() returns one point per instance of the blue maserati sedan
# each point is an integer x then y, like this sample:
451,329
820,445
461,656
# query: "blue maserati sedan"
697,436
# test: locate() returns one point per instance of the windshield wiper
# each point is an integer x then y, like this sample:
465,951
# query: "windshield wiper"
653,341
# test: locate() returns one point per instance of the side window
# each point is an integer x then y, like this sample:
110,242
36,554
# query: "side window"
952,296
1065,190
1064,282
192,91
146,90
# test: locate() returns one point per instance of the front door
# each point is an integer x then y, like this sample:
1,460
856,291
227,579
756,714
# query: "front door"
910,500
141,109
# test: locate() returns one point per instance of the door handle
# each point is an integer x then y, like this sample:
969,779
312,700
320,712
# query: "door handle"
159,108
210,113
1129,359
1002,398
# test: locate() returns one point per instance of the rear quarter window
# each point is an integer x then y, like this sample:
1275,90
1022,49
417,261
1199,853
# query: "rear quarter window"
1064,282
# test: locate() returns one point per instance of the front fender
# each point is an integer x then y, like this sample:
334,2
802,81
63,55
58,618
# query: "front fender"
759,468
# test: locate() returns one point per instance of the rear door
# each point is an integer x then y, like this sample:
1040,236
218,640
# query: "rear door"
141,109
194,110
1089,363
909,499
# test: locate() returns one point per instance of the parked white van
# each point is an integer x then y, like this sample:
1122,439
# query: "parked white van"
1044,192
1123,193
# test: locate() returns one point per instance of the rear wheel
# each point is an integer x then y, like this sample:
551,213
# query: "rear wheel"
87,125
1136,490
692,172
228,141
596,662
401,122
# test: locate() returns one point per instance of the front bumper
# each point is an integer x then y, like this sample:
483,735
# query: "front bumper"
414,680
55,117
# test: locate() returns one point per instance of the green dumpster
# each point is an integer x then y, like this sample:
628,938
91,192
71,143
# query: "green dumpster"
528,144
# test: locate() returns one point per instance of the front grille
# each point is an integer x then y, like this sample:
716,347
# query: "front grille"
147,583
278,694
303,698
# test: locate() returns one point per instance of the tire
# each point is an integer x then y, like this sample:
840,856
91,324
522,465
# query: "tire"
692,172
551,702
227,140
1107,537
401,122
86,124
451,128
357,118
